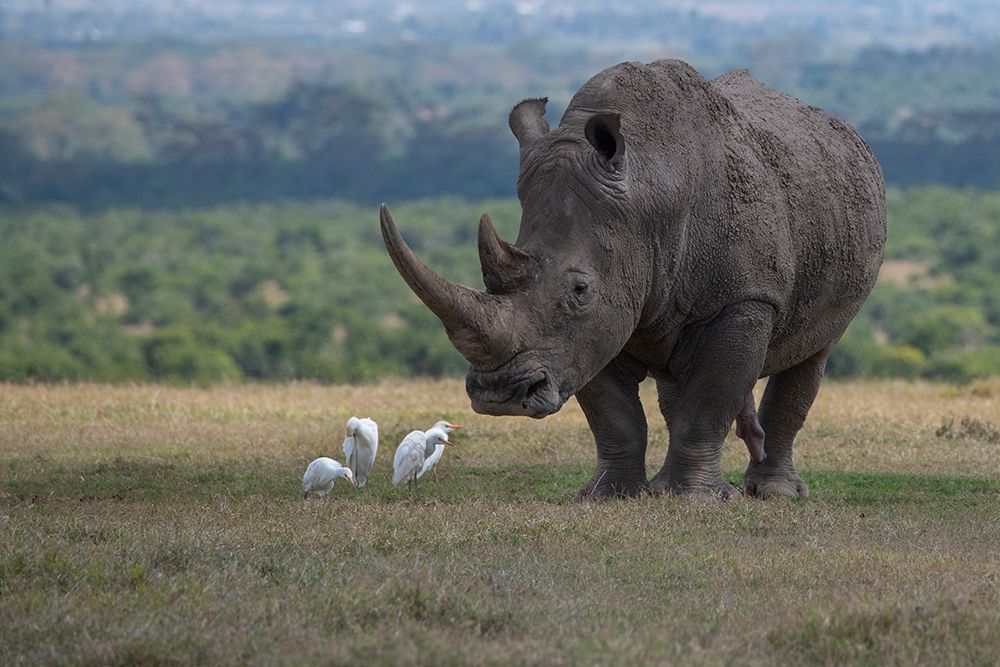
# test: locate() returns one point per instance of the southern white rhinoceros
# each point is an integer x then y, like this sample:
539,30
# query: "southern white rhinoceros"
705,233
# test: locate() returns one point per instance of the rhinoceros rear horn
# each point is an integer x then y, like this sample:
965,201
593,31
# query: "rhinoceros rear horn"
506,268
471,319
527,121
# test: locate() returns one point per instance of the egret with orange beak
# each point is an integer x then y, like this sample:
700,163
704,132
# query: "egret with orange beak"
415,449
434,458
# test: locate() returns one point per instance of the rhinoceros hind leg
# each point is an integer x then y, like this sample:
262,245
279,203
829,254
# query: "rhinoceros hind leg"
689,470
783,410
711,376
611,404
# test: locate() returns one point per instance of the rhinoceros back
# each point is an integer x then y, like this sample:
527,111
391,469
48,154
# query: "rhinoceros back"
817,191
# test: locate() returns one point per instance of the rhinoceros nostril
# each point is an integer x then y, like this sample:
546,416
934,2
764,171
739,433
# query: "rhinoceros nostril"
529,387
521,390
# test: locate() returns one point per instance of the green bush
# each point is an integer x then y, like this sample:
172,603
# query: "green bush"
174,354
902,361
306,290
945,326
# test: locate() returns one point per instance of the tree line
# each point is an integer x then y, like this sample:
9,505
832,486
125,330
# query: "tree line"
305,290
176,124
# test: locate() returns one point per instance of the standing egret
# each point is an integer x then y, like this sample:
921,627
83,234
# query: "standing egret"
433,459
322,474
415,448
360,447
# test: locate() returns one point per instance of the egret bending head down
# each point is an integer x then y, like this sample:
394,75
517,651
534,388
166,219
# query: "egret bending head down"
322,474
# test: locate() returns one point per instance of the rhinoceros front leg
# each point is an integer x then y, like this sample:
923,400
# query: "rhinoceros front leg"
712,370
787,400
611,404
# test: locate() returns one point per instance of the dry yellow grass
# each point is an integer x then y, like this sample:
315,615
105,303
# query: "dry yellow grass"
156,525
884,426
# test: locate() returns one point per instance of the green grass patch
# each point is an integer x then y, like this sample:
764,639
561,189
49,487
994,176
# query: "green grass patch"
123,479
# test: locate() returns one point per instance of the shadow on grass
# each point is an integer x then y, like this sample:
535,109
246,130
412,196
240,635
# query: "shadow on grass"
35,480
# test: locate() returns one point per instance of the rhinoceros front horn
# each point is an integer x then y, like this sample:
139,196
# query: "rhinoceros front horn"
476,323
506,268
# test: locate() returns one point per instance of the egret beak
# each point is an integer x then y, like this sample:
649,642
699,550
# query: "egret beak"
450,425
351,480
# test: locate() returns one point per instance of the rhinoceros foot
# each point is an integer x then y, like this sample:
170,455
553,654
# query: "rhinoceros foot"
713,487
763,481
608,483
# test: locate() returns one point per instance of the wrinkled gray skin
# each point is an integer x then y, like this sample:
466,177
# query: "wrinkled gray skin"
705,233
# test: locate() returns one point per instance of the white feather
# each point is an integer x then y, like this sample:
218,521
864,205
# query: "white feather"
361,447
409,457
321,475
431,460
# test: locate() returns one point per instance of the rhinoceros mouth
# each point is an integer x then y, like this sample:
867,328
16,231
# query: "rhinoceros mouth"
531,394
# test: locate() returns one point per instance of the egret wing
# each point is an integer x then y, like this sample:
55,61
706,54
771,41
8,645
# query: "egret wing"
409,457
350,450
366,449
369,431
319,473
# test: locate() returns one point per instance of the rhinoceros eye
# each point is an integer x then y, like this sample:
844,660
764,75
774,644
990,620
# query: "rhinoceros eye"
582,293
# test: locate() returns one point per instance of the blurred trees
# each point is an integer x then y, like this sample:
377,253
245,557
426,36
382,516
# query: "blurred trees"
316,140
179,252
176,124
306,290
301,290
935,312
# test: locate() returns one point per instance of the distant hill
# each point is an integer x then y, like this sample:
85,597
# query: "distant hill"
169,123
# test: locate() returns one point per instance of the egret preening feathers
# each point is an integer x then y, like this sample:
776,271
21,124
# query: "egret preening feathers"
322,474
415,449
360,447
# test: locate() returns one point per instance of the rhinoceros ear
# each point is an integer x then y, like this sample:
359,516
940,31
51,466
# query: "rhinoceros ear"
604,134
527,121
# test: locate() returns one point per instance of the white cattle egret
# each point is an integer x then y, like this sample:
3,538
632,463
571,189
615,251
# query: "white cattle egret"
433,459
447,427
322,474
360,447
416,447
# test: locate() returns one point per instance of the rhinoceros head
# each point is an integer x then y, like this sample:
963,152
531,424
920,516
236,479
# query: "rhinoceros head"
562,301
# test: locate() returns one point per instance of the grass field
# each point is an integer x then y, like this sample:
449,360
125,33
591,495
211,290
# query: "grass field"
156,525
